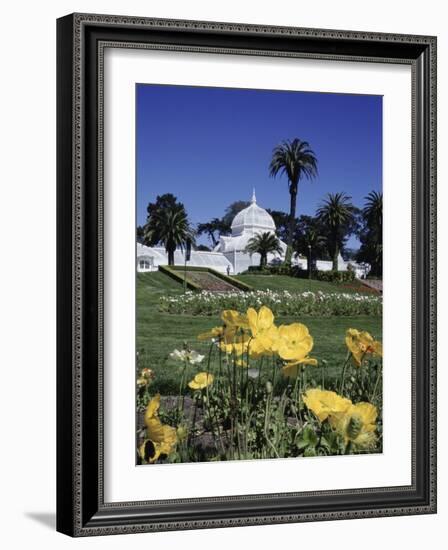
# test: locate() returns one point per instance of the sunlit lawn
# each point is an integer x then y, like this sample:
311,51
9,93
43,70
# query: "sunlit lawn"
159,333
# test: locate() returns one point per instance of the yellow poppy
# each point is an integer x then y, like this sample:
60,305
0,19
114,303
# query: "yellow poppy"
360,343
261,321
235,344
155,430
357,425
201,381
148,451
294,342
264,332
324,403
292,369
161,438
153,408
146,375
151,450
234,319
215,332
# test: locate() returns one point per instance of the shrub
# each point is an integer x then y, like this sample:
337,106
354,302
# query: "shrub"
296,271
335,276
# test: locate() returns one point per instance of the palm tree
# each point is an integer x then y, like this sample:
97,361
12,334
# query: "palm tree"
336,212
296,160
309,244
264,244
371,249
373,213
170,227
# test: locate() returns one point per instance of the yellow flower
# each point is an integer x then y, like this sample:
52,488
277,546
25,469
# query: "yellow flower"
215,332
261,321
152,410
151,450
292,369
155,430
234,319
357,425
146,375
361,343
148,451
161,438
264,332
235,344
201,381
293,344
324,403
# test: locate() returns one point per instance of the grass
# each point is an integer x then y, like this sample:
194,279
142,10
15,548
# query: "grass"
159,333
294,284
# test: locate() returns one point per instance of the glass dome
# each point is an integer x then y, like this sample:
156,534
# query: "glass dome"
252,219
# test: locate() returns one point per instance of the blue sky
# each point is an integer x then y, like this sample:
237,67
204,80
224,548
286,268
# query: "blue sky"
211,146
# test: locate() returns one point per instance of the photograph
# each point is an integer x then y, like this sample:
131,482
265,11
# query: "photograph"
259,263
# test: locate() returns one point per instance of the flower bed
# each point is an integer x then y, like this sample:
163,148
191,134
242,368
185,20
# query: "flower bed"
318,304
254,395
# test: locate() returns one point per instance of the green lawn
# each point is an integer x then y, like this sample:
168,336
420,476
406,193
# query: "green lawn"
159,333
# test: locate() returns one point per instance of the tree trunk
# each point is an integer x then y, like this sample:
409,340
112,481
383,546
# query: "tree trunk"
335,257
213,239
263,261
170,257
292,222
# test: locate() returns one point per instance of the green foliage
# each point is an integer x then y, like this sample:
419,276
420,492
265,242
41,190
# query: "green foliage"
213,229
295,271
338,214
167,224
335,276
296,160
159,332
371,234
257,412
264,244
301,284
281,220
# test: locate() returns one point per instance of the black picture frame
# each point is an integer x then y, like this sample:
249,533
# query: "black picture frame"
81,510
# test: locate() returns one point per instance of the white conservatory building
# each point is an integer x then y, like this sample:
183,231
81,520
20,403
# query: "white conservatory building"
230,255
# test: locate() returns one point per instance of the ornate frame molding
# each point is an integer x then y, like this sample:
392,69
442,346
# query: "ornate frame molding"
81,42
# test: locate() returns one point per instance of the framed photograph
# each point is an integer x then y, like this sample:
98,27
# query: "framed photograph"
245,335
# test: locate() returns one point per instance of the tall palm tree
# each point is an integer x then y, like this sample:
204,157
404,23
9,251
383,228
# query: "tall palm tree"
296,160
372,240
373,214
264,244
336,212
170,227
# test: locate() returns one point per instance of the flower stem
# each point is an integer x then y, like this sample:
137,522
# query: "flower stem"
267,410
341,389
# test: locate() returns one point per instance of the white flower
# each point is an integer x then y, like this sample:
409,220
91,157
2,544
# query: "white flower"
189,356
195,358
253,373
